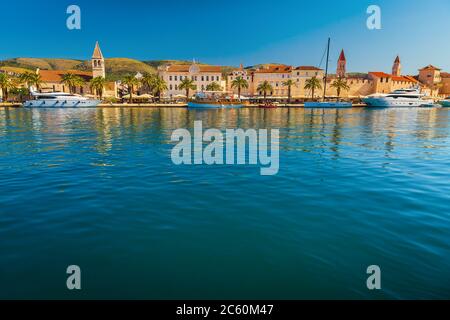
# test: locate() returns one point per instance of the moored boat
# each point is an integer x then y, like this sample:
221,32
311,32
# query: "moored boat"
410,97
268,105
59,100
214,99
328,104
445,102
324,103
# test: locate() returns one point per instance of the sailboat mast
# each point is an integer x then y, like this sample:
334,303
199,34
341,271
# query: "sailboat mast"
326,70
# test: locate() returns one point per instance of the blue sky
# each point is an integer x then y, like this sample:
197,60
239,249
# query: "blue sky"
230,32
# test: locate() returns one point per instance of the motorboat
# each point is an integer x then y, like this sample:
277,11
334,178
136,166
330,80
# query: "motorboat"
399,98
59,100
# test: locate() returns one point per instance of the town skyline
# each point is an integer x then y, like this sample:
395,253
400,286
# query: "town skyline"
294,38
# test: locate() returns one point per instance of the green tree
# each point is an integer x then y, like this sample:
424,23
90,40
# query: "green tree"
131,82
148,81
340,84
289,83
97,86
31,79
6,83
187,84
313,84
213,86
72,81
159,86
265,87
239,83
20,93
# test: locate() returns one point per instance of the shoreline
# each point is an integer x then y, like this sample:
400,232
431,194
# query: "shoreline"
173,105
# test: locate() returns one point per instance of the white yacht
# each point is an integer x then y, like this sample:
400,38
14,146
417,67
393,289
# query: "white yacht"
398,98
60,100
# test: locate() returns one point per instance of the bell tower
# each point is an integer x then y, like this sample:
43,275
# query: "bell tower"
98,62
397,67
341,65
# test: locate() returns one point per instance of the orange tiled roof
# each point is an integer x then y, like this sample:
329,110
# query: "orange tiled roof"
404,78
308,68
394,78
185,68
56,75
380,74
274,69
445,75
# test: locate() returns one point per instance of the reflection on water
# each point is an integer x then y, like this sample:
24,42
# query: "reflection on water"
96,187
329,125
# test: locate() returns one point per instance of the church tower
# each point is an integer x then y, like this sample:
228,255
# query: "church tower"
341,65
98,62
397,67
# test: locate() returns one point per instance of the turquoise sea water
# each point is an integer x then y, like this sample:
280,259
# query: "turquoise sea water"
97,188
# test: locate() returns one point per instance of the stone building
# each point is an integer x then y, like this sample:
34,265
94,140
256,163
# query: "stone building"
202,75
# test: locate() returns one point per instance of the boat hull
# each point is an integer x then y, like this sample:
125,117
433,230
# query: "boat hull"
198,105
328,105
445,103
44,103
394,103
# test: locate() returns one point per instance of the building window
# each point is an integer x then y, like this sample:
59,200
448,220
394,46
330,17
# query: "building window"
170,87
176,78
176,87
170,78
217,78
203,78
207,78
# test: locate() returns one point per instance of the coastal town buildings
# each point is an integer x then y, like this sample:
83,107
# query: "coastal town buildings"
52,80
276,75
431,80
202,75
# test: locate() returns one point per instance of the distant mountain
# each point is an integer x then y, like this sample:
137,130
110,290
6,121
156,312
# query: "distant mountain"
116,68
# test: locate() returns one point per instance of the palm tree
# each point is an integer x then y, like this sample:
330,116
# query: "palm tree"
264,87
20,92
72,81
213,86
289,83
6,83
340,84
131,82
159,86
239,83
31,79
97,85
313,84
148,81
187,84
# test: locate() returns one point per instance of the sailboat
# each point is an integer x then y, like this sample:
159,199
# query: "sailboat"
324,103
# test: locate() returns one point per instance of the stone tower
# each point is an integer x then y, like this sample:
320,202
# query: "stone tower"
397,67
341,65
98,62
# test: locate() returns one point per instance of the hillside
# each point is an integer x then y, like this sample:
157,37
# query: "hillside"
42,63
116,68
